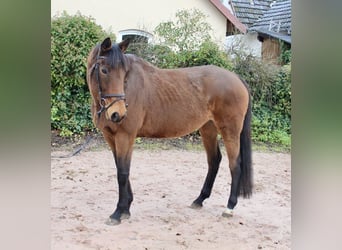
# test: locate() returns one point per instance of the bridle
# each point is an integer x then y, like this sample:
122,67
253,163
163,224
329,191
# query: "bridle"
102,102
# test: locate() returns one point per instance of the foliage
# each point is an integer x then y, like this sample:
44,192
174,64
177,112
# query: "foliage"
186,32
159,55
271,94
72,37
207,54
184,42
285,53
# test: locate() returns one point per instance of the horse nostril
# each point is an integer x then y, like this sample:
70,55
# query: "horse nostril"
115,117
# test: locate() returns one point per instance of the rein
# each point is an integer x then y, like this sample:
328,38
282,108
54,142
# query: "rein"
102,102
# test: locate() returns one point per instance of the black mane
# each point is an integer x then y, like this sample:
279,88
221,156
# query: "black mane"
114,57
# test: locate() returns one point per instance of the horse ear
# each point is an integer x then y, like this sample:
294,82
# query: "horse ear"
106,45
124,45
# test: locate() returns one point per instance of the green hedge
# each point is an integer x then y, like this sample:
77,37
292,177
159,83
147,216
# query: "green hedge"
271,94
72,38
163,57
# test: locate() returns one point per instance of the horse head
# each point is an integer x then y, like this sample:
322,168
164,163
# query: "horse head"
108,71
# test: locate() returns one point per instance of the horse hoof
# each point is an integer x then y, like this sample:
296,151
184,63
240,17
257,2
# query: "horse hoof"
196,205
125,216
228,213
112,222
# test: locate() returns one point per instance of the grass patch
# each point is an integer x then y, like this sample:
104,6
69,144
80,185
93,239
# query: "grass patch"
189,142
270,147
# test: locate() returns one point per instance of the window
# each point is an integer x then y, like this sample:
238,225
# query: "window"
231,29
136,36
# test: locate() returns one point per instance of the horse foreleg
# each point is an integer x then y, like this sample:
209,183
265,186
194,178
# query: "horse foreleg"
209,137
122,154
129,188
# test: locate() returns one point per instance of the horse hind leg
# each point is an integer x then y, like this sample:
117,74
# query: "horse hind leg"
237,142
232,144
209,138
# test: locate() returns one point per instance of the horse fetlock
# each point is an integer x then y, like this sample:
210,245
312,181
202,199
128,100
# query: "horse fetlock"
125,216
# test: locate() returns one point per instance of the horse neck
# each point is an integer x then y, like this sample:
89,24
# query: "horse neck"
134,61
147,80
143,69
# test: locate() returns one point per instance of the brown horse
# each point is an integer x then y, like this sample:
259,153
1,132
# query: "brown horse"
132,98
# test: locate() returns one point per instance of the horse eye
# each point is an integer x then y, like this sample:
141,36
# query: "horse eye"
104,71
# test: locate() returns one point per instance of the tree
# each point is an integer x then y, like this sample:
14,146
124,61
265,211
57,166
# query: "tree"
187,32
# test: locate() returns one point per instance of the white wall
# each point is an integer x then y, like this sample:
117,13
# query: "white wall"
136,14
248,42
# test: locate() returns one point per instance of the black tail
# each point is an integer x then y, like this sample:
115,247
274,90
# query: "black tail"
246,177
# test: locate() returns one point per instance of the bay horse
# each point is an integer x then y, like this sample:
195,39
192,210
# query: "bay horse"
132,98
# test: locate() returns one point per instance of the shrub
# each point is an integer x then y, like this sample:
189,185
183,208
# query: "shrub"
72,37
285,53
271,95
159,55
207,54
188,40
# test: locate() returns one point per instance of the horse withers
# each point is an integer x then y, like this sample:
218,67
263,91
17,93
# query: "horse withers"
132,98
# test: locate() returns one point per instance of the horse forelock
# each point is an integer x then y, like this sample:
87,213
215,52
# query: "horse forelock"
113,57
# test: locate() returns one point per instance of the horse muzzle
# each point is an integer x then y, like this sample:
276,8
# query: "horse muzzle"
115,117
116,110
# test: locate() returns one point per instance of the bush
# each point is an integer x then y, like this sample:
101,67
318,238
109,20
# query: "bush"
271,95
183,42
72,38
159,55
285,53
207,54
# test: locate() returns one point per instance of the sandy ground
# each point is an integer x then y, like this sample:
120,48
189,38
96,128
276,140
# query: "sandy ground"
165,182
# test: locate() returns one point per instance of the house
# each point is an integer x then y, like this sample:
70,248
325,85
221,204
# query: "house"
274,30
247,12
268,24
139,18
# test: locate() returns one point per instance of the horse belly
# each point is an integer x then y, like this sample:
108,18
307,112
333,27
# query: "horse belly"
174,124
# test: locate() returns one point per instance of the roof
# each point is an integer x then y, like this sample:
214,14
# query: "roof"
249,11
276,21
234,20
